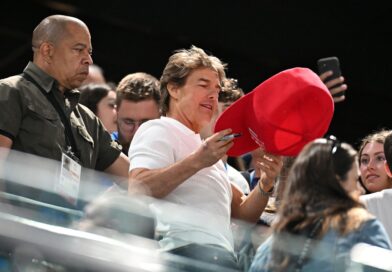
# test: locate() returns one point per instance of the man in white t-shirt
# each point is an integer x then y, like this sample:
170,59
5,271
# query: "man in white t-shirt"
168,157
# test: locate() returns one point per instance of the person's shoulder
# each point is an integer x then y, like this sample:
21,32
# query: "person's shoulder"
86,111
155,124
11,82
359,215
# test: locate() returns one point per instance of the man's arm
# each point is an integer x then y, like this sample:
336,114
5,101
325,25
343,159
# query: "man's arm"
160,182
119,167
250,208
5,146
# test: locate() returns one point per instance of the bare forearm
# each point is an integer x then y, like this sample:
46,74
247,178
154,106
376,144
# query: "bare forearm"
253,206
161,182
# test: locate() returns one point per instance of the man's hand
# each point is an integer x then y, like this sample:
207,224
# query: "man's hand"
270,167
331,83
213,149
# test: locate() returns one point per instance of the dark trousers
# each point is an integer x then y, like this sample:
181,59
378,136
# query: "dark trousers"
207,254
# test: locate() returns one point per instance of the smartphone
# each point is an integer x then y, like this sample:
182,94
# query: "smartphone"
330,64
230,136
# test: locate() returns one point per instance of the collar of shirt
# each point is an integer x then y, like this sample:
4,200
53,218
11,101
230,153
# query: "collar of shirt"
48,83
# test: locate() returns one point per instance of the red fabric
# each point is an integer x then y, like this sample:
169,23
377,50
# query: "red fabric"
283,113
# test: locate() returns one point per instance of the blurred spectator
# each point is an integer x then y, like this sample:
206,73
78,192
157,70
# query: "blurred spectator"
374,178
95,75
101,100
388,154
137,101
40,114
320,218
170,159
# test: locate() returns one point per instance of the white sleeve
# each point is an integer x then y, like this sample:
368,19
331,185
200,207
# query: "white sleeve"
151,147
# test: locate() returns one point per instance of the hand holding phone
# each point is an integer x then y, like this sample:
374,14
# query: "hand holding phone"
332,64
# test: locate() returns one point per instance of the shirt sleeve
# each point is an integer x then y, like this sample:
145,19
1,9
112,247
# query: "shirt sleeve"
152,147
11,111
109,150
373,233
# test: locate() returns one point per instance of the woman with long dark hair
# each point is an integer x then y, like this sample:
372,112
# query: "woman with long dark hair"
320,218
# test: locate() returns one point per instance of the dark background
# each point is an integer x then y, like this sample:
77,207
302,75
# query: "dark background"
256,38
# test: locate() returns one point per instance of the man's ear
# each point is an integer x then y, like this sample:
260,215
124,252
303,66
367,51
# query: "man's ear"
387,169
173,90
46,51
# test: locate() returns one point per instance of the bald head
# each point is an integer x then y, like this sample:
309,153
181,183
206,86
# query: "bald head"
53,29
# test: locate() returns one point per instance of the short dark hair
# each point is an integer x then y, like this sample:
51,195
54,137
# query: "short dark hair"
138,87
91,94
388,149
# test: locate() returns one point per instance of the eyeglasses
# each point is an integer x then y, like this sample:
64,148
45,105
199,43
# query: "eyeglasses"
131,124
335,143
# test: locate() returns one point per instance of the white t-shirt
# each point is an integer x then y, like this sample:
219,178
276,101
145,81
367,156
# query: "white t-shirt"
379,204
237,178
202,213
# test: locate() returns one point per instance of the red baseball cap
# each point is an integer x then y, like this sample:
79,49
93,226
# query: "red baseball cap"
281,115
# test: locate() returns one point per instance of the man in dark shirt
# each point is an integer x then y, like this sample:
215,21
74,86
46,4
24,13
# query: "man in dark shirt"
39,110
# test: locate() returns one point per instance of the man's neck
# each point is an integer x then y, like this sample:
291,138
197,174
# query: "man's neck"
46,68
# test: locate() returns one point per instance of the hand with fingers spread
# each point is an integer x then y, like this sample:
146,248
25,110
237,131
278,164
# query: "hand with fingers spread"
335,86
269,166
213,149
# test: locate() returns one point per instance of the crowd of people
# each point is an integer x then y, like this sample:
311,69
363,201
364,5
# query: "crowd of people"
156,137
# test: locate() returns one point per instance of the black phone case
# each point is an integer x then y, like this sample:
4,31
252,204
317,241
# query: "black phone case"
330,64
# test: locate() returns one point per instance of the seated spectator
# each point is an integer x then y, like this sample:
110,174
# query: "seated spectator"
371,162
170,159
320,218
95,75
138,96
101,100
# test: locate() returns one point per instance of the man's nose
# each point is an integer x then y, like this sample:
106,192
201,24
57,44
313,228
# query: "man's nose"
88,59
213,94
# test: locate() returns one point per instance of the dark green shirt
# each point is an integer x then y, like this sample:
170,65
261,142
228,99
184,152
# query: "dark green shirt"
33,124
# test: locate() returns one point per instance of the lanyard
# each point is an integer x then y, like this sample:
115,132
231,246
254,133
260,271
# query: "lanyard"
70,140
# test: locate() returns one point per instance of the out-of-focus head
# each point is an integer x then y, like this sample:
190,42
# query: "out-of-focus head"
388,153
101,99
372,162
229,94
95,75
324,171
138,97
62,48
181,64
137,87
